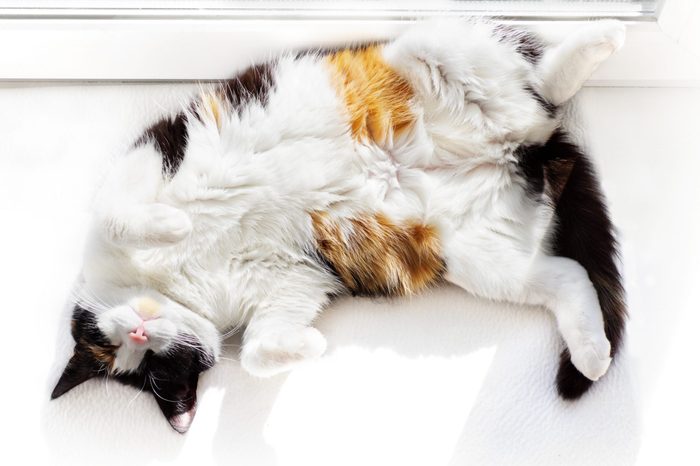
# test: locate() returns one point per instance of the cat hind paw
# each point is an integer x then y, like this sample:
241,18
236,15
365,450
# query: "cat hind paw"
592,357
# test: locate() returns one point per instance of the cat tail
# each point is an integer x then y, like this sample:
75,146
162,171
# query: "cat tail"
584,233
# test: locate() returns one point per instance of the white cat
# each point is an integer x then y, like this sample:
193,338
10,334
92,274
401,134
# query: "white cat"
378,169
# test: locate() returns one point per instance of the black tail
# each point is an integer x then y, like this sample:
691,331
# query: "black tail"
585,234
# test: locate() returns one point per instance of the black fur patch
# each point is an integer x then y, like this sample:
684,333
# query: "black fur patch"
571,384
84,327
548,107
80,368
255,83
531,168
90,343
583,233
527,44
170,138
170,133
172,378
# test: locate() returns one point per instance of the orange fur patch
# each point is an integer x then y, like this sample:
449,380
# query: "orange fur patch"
104,355
377,98
211,106
374,256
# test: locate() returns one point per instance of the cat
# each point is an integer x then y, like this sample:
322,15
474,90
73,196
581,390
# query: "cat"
379,170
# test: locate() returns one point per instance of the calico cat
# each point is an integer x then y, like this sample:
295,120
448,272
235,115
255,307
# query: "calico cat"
375,170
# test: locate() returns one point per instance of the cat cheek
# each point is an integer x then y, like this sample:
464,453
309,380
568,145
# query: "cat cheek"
161,332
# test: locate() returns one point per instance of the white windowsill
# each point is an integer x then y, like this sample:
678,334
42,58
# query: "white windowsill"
288,9
184,49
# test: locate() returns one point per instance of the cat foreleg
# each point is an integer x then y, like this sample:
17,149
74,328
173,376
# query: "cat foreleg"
278,337
146,225
127,209
273,352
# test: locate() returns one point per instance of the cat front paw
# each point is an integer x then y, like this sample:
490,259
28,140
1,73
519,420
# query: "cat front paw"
268,355
162,224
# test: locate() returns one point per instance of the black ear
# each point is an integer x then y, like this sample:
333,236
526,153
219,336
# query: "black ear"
80,368
177,400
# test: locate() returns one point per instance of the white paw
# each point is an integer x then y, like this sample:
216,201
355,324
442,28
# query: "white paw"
603,38
268,355
591,356
163,224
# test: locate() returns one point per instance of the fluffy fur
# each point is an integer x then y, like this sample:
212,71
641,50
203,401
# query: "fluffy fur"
379,170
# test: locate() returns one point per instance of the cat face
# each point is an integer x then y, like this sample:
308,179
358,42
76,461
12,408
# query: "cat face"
148,342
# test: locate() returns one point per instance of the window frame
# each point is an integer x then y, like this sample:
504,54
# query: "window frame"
173,46
328,9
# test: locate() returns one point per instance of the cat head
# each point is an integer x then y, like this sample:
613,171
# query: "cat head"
147,341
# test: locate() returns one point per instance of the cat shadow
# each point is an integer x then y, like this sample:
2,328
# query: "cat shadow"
512,398
376,348
244,410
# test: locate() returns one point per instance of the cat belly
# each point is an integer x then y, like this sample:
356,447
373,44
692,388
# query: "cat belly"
332,171
373,255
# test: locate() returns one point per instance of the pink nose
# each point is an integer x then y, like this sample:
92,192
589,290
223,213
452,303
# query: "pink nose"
138,335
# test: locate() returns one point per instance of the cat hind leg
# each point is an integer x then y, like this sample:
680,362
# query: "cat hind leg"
556,283
565,67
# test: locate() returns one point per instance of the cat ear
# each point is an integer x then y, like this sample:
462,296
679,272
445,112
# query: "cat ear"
80,368
178,401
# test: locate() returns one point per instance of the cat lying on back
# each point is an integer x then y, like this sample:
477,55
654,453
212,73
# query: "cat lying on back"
375,170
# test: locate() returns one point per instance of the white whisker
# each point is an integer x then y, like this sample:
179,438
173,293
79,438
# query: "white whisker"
138,393
155,392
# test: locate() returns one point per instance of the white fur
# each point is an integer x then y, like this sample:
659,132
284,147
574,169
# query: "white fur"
566,66
226,239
